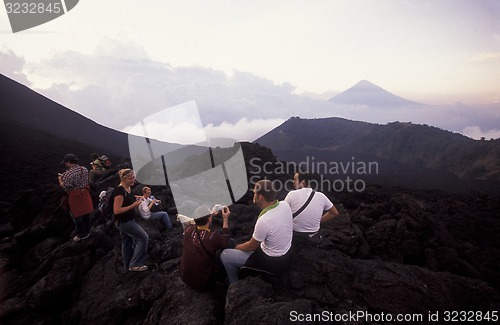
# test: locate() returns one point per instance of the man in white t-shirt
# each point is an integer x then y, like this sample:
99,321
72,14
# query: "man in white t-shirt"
308,217
268,250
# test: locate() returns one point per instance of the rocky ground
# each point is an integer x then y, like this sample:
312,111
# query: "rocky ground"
396,252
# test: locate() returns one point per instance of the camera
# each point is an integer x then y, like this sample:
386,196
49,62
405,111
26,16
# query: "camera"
218,207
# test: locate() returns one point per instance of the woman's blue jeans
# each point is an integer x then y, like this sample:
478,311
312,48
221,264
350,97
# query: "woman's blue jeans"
134,244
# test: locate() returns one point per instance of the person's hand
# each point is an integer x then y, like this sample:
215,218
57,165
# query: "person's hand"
225,213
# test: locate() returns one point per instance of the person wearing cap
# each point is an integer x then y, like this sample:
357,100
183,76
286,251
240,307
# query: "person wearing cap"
268,250
97,170
134,238
200,266
75,182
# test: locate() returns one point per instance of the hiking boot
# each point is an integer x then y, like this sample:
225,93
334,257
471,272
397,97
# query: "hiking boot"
138,268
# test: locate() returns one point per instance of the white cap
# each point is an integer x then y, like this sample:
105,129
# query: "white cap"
102,194
201,211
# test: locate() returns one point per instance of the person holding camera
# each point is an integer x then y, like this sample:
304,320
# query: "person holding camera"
148,202
200,264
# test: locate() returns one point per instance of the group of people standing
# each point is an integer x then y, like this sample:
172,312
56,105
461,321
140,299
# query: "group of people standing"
207,254
75,181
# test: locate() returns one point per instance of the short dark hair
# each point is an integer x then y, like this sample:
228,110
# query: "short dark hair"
306,177
265,188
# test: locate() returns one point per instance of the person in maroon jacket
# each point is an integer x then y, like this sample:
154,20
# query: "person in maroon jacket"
200,264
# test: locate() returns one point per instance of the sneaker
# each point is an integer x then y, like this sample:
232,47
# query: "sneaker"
78,238
138,268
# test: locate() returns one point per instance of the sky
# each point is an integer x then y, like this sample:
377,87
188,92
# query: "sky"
250,65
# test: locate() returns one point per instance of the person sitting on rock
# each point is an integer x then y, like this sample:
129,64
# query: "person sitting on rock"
200,266
147,203
309,208
268,250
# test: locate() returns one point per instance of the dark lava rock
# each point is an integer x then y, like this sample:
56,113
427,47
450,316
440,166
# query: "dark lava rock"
395,252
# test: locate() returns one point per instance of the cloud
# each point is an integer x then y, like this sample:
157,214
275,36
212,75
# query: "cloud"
118,91
182,133
475,132
454,118
244,129
12,67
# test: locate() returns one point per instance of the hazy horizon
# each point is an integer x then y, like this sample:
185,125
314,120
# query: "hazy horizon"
251,65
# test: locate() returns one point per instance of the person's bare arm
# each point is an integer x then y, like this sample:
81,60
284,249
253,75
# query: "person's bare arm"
330,214
118,207
248,246
225,217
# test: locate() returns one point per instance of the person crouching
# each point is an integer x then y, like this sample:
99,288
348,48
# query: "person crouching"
199,266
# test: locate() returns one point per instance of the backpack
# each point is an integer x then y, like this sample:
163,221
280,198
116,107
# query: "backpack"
104,206
105,162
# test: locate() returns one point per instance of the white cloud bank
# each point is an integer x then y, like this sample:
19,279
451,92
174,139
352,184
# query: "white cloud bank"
120,90
244,129
475,132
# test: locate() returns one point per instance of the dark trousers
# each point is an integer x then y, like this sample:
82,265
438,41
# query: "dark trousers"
83,225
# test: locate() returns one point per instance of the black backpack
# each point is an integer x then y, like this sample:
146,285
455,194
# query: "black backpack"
105,206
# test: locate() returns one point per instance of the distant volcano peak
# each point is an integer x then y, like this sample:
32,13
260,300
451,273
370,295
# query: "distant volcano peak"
366,84
367,93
